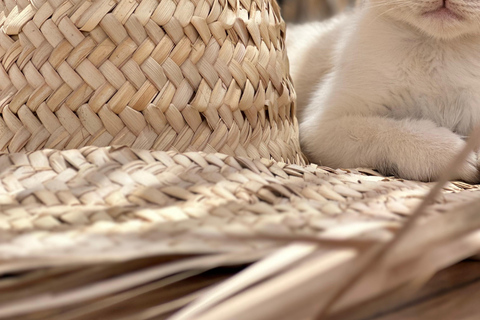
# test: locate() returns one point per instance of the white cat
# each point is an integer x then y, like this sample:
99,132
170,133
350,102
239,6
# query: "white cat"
394,85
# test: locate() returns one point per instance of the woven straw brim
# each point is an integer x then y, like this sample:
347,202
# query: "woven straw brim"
80,209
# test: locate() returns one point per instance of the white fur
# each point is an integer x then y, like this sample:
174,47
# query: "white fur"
389,87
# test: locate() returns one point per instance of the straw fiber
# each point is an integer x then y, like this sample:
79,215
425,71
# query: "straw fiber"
151,170
208,75
106,192
101,219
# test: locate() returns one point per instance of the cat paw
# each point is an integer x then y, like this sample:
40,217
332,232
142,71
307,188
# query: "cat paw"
469,172
435,158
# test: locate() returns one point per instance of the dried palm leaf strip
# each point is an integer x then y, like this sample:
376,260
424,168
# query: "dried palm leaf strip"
419,250
115,203
267,204
298,292
114,285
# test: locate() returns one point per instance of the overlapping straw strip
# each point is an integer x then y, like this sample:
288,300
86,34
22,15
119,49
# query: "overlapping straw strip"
132,202
110,232
230,210
185,75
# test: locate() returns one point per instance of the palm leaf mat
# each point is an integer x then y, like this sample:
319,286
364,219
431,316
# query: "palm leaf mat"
116,232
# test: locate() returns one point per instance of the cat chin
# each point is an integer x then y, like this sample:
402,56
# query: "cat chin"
437,23
444,32
442,29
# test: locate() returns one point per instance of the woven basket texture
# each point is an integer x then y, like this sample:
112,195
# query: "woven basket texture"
164,75
111,231
208,174
67,203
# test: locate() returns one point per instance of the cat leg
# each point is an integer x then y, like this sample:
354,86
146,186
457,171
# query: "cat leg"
411,149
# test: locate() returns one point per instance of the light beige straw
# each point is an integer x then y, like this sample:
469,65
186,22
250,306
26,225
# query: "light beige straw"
145,143
169,75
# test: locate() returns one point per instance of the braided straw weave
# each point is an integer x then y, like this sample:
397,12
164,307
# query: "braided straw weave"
100,228
160,196
207,174
208,75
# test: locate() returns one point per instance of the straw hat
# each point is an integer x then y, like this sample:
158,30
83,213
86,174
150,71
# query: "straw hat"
171,75
207,173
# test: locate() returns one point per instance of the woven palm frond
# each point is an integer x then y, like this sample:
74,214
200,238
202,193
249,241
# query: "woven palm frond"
115,226
205,209
168,75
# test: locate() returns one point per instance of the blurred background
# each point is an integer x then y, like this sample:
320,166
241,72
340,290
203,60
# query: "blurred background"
307,10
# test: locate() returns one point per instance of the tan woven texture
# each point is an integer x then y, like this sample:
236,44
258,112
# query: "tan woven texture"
101,228
207,174
169,75
67,203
